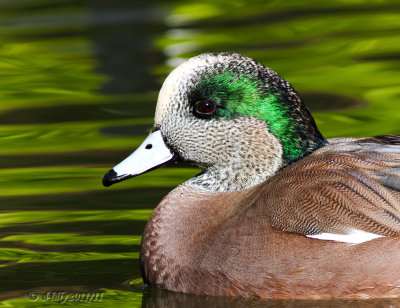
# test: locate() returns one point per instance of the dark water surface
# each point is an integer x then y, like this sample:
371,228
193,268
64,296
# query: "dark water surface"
78,87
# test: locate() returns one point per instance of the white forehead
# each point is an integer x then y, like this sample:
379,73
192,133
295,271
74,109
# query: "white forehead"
178,77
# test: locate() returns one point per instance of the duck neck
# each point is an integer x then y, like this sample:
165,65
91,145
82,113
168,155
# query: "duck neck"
246,166
228,179
251,154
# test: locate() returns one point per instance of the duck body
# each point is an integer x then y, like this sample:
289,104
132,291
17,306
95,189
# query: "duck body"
233,243
278,211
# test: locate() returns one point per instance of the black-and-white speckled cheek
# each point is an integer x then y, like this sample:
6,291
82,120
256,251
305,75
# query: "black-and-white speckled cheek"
234,152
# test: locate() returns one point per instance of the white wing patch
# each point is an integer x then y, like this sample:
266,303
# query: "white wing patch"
353,237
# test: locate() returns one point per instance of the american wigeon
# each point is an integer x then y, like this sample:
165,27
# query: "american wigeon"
278,211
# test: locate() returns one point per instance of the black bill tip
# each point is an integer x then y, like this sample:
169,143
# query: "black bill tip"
111,177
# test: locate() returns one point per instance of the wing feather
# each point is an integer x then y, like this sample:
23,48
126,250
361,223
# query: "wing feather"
350,184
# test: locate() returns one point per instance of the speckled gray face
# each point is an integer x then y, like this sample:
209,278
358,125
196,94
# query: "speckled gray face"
235,152
234,118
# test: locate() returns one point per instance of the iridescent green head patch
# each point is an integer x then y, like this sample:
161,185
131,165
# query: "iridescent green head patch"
240,95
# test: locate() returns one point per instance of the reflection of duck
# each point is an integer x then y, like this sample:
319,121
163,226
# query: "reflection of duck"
272,188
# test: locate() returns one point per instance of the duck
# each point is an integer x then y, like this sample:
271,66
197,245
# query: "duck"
278,211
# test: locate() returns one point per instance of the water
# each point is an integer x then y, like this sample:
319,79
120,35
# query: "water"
78,86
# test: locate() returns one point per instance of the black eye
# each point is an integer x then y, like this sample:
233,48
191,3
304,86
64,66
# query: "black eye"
204,108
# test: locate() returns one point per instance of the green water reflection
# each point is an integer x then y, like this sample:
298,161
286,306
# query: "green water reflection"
78,87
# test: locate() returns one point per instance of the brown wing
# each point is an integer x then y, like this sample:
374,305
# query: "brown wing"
348,184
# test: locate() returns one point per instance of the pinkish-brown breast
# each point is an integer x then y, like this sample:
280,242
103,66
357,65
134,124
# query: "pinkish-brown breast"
216,244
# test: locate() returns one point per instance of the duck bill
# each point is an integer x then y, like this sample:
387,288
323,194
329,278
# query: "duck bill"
151,154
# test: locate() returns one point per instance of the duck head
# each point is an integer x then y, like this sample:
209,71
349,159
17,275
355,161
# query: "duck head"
234,118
